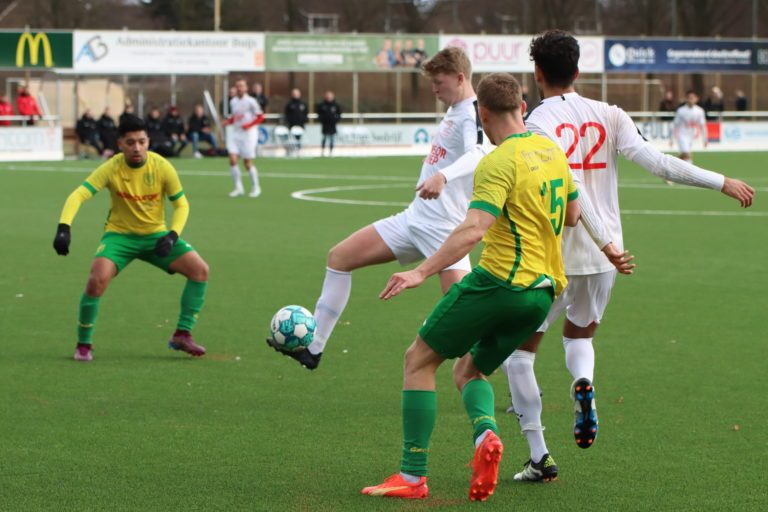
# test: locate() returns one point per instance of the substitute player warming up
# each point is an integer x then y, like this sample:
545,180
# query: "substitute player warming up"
523,196
138,182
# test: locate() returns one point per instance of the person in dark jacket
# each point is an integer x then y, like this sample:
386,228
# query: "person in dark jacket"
668,104
296,110
741,102
257,91
173,126
88,131
108,132
128,112
296,113
199,129
714,104
159,142
328,113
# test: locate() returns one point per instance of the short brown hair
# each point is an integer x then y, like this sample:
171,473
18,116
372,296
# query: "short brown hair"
451,60
499,93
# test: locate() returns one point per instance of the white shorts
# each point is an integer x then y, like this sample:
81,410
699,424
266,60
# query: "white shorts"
243,142
684,143
584,300
410,243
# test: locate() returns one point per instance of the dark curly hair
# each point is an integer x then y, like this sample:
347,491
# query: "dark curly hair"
556,53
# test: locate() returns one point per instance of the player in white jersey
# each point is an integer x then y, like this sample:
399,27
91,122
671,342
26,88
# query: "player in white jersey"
689,119
245,115
592,134
418,231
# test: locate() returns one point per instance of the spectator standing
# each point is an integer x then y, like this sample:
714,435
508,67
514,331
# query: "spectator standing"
328,113
668,104
714,104
296,113
26,105
257,91
108,132
741,104
87,131
158,140
199,129
6,109
173,126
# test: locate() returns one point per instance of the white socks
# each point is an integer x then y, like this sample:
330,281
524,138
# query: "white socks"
236,177
526,400
333,299
482,437
254,177
580,357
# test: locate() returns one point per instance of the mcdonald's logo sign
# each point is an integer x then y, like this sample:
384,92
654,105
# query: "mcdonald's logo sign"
35,44
32,48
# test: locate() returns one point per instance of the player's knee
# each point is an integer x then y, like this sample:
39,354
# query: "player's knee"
338,260
413,362
96,285
464,370
200,272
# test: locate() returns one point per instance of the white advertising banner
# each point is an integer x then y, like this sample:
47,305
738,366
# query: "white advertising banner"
375,139
164,53
31,143
494,53
725,136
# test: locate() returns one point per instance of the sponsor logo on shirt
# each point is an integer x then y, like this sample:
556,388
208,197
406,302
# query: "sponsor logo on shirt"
131,197
436,154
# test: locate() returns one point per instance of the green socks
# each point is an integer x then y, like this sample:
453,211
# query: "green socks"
419,413
477,396
192,300
89,310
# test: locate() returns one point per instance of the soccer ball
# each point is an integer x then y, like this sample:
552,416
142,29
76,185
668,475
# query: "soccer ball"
293,328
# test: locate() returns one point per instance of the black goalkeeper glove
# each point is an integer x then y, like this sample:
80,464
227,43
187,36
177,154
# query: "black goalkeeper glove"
166,243
62,239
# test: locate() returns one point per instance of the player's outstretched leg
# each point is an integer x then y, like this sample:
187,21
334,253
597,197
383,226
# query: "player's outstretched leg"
362,248
304,357
585,421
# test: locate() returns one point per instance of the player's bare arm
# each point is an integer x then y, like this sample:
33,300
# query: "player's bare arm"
460,242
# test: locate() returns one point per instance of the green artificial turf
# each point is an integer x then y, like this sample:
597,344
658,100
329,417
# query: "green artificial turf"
681,358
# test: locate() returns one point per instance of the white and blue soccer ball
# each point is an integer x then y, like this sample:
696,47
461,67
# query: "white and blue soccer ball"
292,328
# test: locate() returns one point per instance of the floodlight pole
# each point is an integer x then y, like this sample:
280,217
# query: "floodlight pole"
218,94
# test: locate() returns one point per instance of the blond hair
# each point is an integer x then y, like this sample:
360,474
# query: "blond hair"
451,60
499,93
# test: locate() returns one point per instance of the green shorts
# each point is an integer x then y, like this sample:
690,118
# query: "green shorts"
482,317
122,249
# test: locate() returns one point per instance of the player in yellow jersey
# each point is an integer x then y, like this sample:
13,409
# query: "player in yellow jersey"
138,181
523,196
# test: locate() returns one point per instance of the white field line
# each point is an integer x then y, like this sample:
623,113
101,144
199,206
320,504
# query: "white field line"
317,176
309,195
